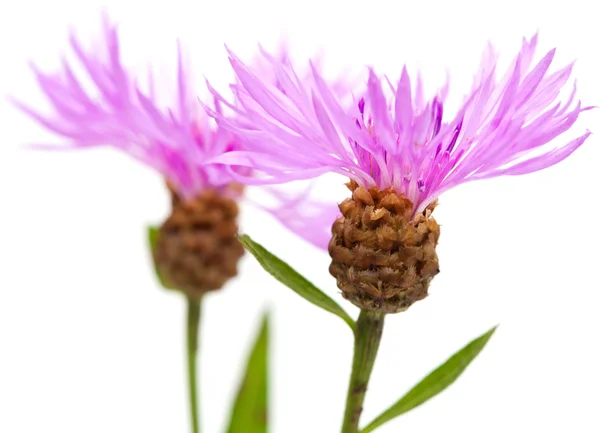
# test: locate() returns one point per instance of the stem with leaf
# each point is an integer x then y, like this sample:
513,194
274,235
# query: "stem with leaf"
369,329
367,334
193,324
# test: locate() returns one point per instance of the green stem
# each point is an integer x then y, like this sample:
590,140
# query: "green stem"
369,328
193,324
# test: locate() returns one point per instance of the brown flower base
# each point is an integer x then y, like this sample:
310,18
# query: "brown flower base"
381,258
197,249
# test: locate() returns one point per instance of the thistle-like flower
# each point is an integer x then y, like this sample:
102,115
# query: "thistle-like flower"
197,249
400,153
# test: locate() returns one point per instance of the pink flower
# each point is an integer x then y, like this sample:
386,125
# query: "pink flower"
180,142
299,129
177,142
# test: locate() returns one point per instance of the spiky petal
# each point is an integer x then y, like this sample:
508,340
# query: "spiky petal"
115,111
300,129
302,214
178,142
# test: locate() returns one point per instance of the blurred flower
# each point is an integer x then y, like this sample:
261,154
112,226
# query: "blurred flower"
177,142
401,154
302,213
196,249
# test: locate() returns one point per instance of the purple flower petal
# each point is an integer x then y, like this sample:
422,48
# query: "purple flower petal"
118,113
503,126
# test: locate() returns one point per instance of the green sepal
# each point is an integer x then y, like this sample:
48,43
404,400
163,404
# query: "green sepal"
152,241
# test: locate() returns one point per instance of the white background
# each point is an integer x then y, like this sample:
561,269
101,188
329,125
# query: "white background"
90,343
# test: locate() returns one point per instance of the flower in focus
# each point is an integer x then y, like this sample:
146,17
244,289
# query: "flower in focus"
401,153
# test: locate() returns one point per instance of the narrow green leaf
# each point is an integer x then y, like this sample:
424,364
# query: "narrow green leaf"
250,410
152,240
437,381
288,276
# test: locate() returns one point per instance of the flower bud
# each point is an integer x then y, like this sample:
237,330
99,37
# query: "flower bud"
383,257
197,249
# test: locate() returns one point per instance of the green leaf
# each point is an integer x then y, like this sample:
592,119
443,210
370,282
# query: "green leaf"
152,240
288,276
437,381
250,410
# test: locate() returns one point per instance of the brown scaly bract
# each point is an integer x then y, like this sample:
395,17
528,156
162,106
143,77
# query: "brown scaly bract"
197,249
381,258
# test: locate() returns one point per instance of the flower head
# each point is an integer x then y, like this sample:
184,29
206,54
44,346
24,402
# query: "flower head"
177,142
196,248
301,130
401,152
